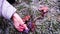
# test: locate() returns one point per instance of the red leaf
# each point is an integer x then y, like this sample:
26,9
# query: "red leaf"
44,8
26,18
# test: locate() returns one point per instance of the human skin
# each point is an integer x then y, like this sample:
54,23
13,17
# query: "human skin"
18,21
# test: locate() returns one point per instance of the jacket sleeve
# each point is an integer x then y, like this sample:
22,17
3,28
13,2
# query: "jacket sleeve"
7,10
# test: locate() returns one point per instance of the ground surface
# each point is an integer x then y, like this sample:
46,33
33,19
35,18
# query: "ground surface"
49,24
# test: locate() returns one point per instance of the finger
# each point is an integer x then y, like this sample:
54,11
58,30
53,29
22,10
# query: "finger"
25,26
16,24
18,18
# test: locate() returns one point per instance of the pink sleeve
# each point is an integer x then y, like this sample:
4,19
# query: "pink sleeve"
7,10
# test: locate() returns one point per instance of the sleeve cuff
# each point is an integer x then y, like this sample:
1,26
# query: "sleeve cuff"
7,10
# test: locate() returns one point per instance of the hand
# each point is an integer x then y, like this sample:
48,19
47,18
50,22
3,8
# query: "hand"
18,23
